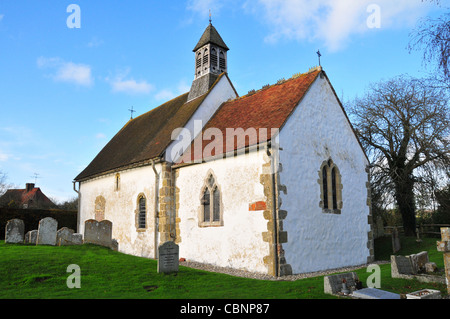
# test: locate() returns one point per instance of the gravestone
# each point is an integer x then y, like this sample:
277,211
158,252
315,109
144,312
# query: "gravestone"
374,293
64,236
396,246
333,284
77,239
98,233
46,234
31,237
424,294
168,260
444,246
401,265
419,261
14,231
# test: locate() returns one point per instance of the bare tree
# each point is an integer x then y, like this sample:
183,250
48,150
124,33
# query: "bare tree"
403,124
433,37
3,184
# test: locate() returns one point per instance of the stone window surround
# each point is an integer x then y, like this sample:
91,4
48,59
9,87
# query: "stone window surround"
99,208
137,213
338,186
201,218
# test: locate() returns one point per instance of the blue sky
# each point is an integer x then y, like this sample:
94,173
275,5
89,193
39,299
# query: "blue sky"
65,92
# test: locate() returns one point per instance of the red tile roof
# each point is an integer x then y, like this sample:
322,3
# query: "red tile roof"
266,109
33,198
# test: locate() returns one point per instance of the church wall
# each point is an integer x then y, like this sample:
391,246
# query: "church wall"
121,206
315,132
238,243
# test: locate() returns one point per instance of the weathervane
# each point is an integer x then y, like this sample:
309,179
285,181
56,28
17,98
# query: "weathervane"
132,111
210,20
319,55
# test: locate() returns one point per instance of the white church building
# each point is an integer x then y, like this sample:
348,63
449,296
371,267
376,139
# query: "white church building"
274,182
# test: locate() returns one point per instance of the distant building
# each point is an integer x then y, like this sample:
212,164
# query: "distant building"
30,197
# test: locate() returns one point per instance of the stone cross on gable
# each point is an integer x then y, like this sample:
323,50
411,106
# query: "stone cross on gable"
444,246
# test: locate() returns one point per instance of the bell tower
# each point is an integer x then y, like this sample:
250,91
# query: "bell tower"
210,61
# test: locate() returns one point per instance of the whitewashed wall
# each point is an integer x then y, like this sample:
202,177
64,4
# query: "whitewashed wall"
238,243
316,131
121,205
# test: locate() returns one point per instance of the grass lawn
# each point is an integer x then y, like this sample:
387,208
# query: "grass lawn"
29,272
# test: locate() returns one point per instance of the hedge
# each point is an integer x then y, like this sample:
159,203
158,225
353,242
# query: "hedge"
31,218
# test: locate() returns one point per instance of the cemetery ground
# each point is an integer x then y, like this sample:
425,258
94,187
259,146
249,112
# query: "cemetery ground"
40,272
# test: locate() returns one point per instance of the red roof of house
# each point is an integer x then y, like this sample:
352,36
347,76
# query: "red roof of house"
266,109
32,197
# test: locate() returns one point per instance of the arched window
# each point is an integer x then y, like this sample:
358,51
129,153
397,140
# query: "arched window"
325,186
141,212
330,188
211,204
216,205
206,205
334,187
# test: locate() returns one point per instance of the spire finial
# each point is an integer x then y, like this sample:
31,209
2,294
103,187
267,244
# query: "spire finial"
210,20
319,55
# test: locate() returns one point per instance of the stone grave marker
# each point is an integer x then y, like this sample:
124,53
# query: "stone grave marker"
333,284
64,236
46,234
444,246
98,233
168,260
77,239
374,293
401,265
14,231
396,246
31,237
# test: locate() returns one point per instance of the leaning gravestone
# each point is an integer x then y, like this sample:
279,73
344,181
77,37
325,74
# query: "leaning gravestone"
98,233
168,260
46,234
14,231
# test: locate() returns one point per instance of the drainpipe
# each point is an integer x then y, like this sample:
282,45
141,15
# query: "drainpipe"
156,218
79,202
275,208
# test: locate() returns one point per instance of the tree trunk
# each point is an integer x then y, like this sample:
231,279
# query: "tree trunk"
405,201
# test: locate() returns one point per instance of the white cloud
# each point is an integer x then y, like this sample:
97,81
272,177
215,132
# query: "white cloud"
131,86
100,136
95,42
80,74
165,95
122,83
168,94
4,157
331,21
1,17
203,6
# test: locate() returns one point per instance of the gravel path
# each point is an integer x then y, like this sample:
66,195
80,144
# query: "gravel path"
247,274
